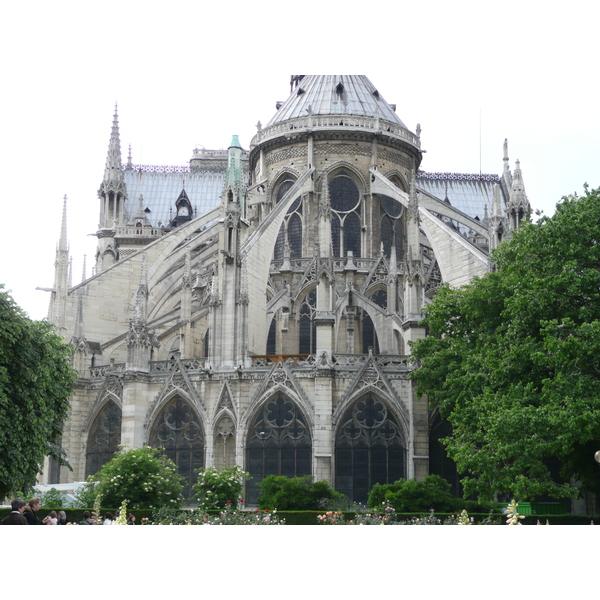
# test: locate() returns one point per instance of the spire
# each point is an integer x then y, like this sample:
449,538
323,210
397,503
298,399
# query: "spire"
234,190
84,274
518,204
112,195
63,244
113,168
62,275
506,174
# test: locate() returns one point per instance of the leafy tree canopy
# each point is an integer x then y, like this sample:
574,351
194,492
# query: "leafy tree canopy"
142,476
513,359
36,381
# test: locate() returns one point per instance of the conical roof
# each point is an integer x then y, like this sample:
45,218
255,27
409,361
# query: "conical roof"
333,95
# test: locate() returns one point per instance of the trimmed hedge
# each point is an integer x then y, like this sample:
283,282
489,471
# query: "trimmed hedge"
309,517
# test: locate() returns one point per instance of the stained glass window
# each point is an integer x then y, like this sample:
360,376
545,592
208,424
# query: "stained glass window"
104,438
343,193
272,337
335,234
178,430
279,443
346,225
369,449
279,243
291,228
391,226
283,190
294,228
380,298
390,206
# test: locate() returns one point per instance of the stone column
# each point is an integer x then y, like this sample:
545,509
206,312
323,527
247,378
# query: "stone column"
323,429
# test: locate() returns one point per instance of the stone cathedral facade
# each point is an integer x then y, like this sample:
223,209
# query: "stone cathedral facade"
255,307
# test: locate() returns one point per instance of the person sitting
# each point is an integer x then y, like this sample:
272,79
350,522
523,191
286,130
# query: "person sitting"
51,519
108,519
16,516
62,517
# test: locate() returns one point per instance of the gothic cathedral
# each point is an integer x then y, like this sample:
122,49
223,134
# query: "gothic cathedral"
256,307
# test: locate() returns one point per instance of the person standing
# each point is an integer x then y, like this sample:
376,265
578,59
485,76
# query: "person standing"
16,516
87,518
30,512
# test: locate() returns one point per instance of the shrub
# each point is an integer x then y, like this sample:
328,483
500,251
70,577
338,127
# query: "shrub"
54,499
416,496
143,477
85,495
295,493
215,488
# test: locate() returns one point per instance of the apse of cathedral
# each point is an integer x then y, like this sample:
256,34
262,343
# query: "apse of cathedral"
255,307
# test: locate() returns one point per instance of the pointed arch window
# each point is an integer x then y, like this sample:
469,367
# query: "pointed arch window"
272,337
279,443
307,329
369,449
291,228
369,334
391,226
346,220
178,430
104,438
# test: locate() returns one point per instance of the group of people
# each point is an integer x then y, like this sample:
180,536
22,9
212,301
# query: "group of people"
24,513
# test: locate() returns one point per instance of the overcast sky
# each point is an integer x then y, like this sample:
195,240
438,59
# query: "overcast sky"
185,74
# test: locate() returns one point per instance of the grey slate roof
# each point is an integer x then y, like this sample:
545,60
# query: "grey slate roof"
358,97
468,192
161,187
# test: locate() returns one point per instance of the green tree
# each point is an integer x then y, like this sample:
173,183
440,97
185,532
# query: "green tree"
142,476
36,381
415,496
512,360
215,488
